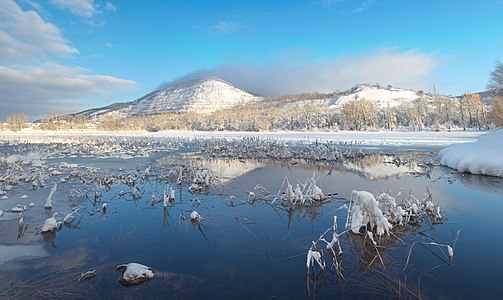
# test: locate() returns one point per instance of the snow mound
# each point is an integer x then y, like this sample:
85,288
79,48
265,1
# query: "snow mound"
481,157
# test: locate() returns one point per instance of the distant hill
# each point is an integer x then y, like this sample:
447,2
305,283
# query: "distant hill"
203,95
382,96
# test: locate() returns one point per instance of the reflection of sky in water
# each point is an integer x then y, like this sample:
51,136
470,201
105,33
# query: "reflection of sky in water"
255,250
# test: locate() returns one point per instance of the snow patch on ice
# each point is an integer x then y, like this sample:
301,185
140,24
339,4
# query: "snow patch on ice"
11,252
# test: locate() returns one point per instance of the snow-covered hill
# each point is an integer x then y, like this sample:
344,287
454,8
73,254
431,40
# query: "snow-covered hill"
200,95
383,97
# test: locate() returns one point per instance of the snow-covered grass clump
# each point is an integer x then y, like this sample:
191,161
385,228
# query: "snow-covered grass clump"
302,194
373,224
481,157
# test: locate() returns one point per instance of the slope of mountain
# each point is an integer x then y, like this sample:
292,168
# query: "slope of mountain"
204,95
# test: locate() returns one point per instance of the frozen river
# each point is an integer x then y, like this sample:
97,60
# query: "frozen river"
246,244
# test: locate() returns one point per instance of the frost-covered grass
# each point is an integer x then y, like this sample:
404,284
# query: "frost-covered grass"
481,157
373,225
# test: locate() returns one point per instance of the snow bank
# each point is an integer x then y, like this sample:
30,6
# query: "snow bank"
481,157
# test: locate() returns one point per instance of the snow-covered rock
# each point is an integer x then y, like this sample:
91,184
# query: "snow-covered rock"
195,216
481,157
134,273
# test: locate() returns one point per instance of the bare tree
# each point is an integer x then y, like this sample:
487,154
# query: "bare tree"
496,113
17,121
495,84
360,114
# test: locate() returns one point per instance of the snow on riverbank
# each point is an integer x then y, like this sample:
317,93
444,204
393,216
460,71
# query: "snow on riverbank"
380,138
481,157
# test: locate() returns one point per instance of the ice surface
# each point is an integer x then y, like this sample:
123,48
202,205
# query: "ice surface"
10,252
481,157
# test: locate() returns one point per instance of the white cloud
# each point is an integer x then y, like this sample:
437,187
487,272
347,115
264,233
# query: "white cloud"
52,88
329,2
231,24
26,40
83,8
364,5
24,36
109,6
225,27
409,69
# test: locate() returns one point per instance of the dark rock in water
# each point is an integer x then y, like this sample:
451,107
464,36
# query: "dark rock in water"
134,274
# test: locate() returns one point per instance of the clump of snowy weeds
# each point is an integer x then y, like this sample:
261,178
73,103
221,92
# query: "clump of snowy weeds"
380,214
306,193
372,221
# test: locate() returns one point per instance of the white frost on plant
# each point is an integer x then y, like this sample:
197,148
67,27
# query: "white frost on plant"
203,176
314,257
303,193
50,224
390,209
365,210
48,202
481,157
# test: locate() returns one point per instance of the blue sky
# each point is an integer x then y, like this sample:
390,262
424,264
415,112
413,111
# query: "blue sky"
68,55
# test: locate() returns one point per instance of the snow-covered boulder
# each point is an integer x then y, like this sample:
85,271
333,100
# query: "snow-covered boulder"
481,157
134,274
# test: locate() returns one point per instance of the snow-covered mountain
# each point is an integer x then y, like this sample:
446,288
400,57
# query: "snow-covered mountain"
204,95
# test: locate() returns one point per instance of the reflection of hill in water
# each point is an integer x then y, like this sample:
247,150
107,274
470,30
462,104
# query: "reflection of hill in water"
377,166
382,166
227,170
370,167
484,183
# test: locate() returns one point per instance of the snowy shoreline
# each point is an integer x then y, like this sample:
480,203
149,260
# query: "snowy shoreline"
379,138
482,157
